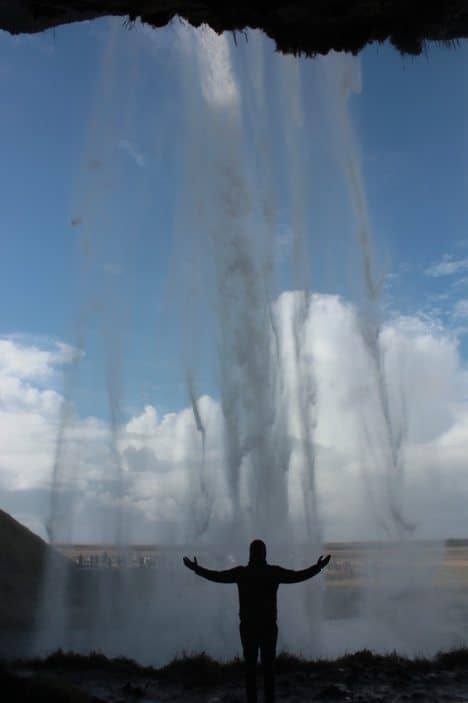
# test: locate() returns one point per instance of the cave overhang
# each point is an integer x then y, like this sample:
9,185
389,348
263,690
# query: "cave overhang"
296,26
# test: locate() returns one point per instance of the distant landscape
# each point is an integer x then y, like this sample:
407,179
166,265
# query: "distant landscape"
348,566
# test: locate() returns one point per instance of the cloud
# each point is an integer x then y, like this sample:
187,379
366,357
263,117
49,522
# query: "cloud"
447,267
129,148
460,310
30,408
166,476
463,281
21,360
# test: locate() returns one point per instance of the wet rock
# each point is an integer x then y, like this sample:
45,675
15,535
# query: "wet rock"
353,678
421,697
297,26
284,684
401,679
418,696
233,698
132,690
333,693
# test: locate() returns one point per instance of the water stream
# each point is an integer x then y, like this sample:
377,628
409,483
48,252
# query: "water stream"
258,133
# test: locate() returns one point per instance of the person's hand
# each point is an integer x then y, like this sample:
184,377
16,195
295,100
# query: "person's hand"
192,565
323,561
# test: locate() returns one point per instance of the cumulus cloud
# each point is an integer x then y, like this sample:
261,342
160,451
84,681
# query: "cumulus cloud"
24,360
28,411
448,266
169,482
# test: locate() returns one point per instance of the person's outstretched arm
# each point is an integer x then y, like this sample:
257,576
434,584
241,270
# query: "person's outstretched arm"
291,576
227,576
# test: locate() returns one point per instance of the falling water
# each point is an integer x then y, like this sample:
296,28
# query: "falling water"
235,233
341,84
248,329
402,599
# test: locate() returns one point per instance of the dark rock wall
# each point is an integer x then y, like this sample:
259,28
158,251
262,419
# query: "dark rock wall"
23,558
297,26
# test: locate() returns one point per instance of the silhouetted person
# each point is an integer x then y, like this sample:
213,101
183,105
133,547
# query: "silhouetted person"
257,584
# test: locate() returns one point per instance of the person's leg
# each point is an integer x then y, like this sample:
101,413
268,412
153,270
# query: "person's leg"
268,655
250,646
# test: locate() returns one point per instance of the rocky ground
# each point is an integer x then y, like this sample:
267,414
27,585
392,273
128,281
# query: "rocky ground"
362,677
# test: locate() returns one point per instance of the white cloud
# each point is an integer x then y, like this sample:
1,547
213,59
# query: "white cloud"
22,360
165,479
448,267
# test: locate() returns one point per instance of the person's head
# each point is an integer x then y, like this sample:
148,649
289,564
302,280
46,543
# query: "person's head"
257,552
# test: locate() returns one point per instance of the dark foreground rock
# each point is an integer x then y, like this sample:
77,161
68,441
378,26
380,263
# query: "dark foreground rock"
23,559
358,678
297,26
40,688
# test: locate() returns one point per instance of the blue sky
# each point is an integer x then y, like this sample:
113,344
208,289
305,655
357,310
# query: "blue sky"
410,121
50,84
412,128
89,123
